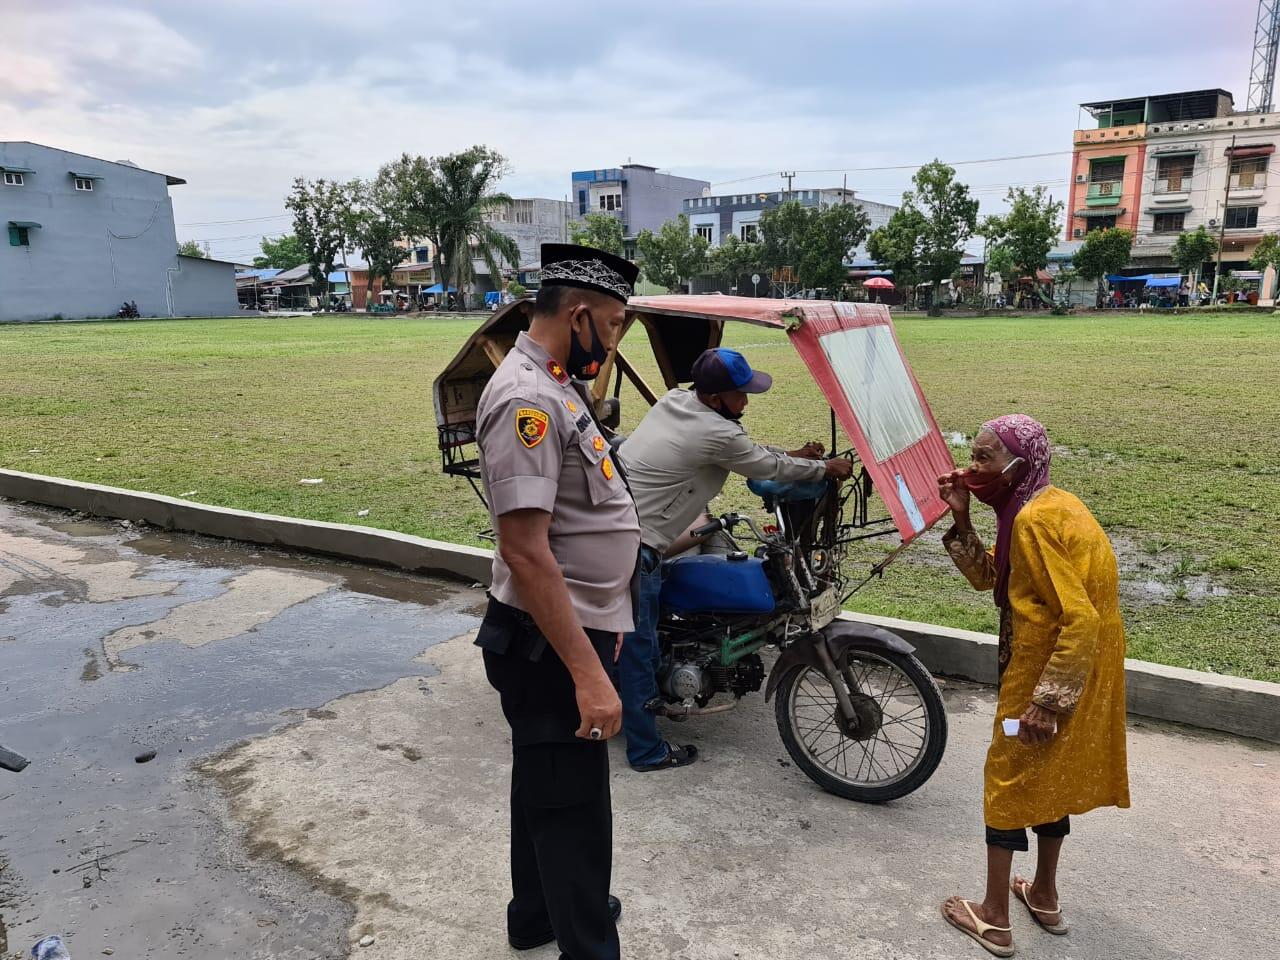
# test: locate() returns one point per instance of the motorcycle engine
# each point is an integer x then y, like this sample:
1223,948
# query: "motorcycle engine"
684,681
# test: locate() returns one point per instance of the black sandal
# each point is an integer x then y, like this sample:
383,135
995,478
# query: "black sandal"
676,757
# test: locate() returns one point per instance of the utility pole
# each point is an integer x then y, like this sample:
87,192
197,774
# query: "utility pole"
1222,225
788,177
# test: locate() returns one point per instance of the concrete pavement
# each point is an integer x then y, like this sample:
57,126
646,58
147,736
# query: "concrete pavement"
344,773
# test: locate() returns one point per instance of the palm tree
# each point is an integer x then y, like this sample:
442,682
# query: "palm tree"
467,181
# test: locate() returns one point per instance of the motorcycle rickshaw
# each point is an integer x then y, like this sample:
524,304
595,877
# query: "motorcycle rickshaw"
857,712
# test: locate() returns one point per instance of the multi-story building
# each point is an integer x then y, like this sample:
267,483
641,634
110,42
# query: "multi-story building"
738,214
531,222
85,235
1164,164
642,197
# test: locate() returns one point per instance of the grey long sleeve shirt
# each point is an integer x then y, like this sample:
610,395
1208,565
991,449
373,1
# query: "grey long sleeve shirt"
679,457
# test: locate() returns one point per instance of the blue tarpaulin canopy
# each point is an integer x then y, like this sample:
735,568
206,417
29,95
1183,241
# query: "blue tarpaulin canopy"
437,288
1164,281
1119,278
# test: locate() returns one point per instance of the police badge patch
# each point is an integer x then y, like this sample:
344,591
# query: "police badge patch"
531,426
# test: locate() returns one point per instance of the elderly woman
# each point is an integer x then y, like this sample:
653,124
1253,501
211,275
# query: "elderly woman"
1061,656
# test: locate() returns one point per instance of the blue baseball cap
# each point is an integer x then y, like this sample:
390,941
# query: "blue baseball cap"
720,370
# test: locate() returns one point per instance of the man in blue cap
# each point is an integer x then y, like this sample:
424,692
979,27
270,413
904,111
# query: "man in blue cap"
677,460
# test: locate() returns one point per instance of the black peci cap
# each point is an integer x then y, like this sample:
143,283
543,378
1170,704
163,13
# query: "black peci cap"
569,265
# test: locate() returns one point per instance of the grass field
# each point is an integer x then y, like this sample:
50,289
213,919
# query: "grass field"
1168,427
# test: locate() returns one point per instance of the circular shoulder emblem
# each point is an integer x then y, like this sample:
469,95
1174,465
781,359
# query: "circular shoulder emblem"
597,443
531,426
573,407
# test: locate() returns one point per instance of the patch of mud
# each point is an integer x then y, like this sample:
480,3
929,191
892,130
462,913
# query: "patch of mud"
1155,571
92,670
208,552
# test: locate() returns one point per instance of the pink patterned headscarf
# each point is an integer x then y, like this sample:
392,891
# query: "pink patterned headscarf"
1026,438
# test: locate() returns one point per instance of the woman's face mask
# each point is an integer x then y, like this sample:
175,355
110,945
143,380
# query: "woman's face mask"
993,487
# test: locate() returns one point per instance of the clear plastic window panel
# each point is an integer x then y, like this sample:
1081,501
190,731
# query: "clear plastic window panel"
875,381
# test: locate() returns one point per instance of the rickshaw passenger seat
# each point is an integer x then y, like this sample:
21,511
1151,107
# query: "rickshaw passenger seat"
781,492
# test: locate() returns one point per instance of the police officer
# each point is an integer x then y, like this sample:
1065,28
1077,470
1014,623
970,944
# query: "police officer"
568,537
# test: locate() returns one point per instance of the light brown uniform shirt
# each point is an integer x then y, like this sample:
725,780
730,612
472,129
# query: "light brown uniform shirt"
540,449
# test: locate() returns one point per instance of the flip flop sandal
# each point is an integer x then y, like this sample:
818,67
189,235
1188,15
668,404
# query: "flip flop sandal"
980,927
1057,929
676,757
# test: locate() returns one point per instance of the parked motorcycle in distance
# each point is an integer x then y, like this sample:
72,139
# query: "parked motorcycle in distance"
128,310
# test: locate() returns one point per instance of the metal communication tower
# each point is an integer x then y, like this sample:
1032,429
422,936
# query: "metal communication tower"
1266,42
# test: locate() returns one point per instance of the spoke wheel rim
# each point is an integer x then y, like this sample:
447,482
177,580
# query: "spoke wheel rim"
897,749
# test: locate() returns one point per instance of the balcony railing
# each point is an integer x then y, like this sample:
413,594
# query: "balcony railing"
1099,189
1173,184
1248,181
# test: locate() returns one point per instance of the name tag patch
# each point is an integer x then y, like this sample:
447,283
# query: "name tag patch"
531,426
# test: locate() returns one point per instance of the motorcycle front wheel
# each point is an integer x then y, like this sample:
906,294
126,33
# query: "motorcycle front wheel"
896,747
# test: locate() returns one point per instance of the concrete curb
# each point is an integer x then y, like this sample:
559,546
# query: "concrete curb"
1247,708
347,541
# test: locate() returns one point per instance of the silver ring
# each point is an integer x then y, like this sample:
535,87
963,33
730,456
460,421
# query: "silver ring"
596,733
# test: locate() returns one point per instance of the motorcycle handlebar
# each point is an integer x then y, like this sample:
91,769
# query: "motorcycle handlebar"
707,528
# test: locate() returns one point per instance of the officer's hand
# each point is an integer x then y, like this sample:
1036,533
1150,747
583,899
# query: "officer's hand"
839,469
598,706
617,648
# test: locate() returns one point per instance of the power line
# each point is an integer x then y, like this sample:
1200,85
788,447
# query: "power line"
218,223
902,166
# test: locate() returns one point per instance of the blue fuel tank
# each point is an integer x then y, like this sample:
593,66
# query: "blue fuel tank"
712,583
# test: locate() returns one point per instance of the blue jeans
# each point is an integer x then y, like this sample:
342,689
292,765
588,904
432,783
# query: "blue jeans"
638,669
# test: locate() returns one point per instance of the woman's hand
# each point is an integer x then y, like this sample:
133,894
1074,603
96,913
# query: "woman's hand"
1037,725
954,493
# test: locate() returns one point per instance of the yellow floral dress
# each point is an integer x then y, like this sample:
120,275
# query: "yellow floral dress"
1062,647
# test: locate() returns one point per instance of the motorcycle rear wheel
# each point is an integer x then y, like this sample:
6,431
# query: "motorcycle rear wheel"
905,749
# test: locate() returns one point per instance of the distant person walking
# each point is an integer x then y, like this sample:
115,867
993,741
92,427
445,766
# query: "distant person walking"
1061,662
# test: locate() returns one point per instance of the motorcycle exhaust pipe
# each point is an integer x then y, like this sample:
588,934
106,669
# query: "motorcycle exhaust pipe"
683,711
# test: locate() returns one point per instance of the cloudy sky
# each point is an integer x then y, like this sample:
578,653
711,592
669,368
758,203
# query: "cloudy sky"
239,96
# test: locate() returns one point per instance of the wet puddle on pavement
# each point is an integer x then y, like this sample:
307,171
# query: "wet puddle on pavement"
222,642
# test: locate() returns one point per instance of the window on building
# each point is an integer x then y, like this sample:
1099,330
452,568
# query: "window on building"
1168,222
582,203
84,184
1246,174
610,201
1104,171
1241,218
12,179
749,233
703,230
1173,174
1099,223
19,237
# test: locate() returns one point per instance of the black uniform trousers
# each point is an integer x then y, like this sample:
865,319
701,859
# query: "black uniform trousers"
561,815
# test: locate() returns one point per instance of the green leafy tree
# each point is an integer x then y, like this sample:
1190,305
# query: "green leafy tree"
599,230
282,253
376,230
517,290
734,259
322,222
783,230
896,246
832,233
189,248
1102,252
1028,231
1267,253
1191,250
414,188
948,218
468,193
672,255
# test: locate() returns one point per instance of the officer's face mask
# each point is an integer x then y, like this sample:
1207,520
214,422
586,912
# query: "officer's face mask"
722,408
585,364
